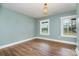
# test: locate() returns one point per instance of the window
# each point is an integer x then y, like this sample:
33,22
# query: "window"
44,27
68,26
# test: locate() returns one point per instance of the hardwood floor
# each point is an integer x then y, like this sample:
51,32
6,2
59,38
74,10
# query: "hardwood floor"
39,47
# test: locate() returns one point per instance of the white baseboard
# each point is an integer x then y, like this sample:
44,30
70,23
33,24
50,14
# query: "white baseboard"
77,51
14,43
62,41
11,44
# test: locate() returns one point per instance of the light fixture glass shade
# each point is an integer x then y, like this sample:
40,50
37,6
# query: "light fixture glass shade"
45,9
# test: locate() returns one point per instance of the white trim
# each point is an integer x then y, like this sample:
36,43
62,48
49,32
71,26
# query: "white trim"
71,16
77,51
62,26
11,44
72,36
14,43
56,40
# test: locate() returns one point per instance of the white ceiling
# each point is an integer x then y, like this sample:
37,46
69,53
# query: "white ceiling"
36,9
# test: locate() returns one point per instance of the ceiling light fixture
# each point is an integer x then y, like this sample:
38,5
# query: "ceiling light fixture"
45,9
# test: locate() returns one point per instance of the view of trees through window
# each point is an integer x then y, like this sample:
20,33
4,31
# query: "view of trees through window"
44,27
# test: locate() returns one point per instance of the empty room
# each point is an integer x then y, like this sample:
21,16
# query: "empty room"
39,29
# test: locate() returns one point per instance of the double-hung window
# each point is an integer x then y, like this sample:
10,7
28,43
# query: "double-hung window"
68,26
44,27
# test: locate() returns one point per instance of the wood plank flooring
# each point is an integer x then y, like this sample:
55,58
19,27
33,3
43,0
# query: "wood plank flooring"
38,47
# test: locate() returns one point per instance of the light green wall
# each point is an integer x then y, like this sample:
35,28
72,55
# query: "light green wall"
15,26
78,26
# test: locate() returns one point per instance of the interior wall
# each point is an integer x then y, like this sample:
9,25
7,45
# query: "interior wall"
55,27
78,26
15,26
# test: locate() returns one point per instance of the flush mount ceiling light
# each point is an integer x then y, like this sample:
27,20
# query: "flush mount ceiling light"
45,9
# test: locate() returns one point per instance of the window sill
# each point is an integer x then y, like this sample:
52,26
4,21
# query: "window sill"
68,36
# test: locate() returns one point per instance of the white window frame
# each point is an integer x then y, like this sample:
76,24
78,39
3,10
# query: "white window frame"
62,26
41,33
